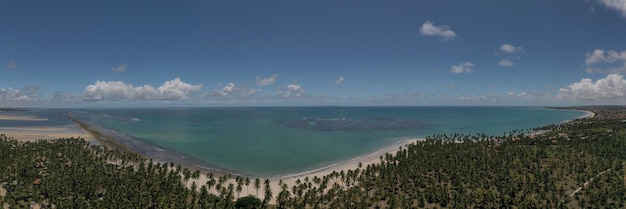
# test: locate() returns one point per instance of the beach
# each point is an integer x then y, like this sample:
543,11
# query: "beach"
34,133
119,140
21,118
351,164
105,137
48,133
291,179
589,114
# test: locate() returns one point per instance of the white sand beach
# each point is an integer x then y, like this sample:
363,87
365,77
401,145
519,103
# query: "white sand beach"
22,117
589,114
34,133
47,132
290,180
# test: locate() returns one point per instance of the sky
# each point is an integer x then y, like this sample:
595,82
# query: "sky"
310,53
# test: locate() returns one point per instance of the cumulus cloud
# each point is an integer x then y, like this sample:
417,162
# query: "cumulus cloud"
443,31
510,97
618,5
117,90
11,64
510,49
232,91
339,80
506,63
293,90
479,99
11,94
604,58
228,89
120,68
26,94
266,81
512,54
462,68
611,87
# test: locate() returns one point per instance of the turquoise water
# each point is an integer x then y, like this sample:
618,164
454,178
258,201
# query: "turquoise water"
278,141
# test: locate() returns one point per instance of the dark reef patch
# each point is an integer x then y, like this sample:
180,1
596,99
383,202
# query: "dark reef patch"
346,124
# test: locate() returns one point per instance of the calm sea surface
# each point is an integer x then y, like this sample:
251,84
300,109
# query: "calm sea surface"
268,141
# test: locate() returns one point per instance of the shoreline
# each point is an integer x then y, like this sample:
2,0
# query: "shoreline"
114,140
590,114
352,163
292,179
33,133
149,151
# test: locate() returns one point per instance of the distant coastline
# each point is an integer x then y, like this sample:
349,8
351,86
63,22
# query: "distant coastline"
13,110
589,110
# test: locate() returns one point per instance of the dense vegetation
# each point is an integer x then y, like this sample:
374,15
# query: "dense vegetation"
580,164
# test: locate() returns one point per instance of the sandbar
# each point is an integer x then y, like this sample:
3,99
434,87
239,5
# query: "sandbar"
22,118
46,132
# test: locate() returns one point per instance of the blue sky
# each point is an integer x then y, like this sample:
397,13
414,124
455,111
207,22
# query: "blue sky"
266,53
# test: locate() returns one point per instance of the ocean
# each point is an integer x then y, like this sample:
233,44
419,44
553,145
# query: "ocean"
276,141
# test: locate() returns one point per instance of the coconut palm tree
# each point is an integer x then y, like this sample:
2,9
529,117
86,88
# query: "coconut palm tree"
257,185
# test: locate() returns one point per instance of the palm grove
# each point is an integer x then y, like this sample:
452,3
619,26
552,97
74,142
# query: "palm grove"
577,164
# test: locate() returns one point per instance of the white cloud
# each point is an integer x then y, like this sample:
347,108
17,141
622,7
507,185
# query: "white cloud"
508,98
117,90
609,70
11,95
594,57
339,80
120,68
512,52
232,91
293,90
611,87
266,81
603,57
506,63
26,94
462,68
521,95
479,99
443,31
619,5
508,48
247,93
11,64
227,89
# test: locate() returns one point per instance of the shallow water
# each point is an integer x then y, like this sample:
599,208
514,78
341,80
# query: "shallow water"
259,141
